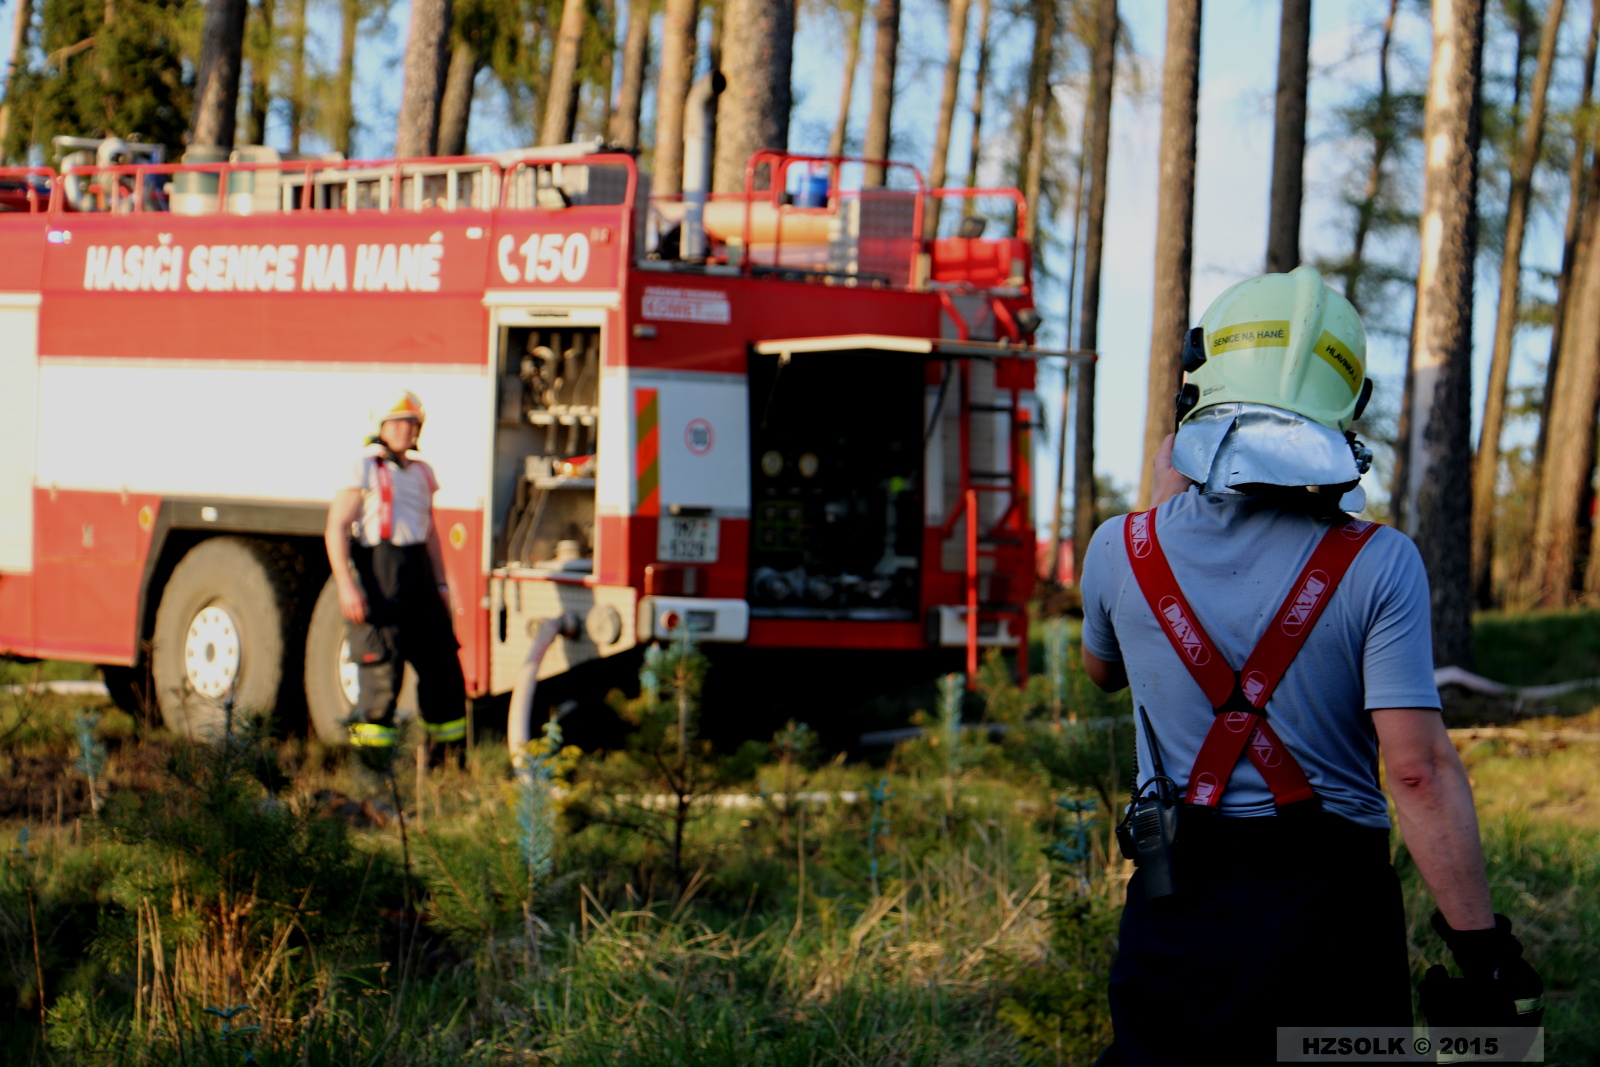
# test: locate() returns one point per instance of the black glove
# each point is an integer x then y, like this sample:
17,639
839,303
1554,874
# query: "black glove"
1497,988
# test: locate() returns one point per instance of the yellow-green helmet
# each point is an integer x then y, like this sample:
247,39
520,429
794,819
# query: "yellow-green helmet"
1284,340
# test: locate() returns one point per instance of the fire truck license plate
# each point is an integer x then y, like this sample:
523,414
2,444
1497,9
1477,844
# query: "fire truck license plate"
687,540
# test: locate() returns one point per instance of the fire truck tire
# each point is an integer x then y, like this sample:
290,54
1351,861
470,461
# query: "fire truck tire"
330,676
221,632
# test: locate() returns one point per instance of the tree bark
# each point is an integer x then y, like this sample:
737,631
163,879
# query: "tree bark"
427,62
297,101
938,169
885,51
344,119
1289,137
1486,466
608,66
635,60
856,16
718,12
1439,494
1383,138
561,99
1567,469
1180,93
261,75
677,71
1103,63
1577,174
753,111
20,25
216,89
20,32
1035,121
980,79
455,113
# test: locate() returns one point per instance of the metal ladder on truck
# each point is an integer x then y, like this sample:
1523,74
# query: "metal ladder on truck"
1008,541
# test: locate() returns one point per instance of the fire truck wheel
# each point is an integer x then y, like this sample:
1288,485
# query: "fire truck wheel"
332,682
220,635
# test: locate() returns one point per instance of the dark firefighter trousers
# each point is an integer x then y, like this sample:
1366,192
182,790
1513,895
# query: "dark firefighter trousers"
407,622
1288,920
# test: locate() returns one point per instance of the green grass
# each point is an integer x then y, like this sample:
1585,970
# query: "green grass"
973,948
1537,648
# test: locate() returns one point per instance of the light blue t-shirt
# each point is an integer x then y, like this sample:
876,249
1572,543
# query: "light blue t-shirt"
1235,558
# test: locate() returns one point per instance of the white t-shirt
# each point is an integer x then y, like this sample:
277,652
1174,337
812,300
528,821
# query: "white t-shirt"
412,489
1235,558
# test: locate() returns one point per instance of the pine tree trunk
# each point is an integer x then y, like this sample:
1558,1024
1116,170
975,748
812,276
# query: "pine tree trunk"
344,124
1289,138
1564,482
1038,111
677,71
1439,493
608,67
753,111
1486,466
939,168
1104,61
298,104
1180,92
1383,136
885,51
261,76
635,60
455,113
20,25
216,88
979,81
718,10
1577,177
847,86
427,63
561,98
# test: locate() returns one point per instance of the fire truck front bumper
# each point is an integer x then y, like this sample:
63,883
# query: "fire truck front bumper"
661,617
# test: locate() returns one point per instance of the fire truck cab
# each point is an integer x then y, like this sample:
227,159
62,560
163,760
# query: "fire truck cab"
783,418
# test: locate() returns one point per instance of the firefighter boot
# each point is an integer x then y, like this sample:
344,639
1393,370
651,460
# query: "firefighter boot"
374,746
446,743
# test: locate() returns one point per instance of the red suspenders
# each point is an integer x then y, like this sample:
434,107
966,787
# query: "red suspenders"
385,482
1239,697
385,499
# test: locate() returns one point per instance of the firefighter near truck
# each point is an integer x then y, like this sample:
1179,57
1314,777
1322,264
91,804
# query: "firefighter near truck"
781,419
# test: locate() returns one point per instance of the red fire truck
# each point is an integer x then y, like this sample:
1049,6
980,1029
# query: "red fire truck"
781,418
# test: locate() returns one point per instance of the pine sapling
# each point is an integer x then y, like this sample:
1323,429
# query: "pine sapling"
91,759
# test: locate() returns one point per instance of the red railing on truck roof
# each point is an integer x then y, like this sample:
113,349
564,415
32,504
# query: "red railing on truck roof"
856,236
481,183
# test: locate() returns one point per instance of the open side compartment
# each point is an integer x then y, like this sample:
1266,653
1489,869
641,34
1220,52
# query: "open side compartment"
836,484
545,447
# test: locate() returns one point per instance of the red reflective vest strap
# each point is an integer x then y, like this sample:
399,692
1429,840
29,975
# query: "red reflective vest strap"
385,498
1237,729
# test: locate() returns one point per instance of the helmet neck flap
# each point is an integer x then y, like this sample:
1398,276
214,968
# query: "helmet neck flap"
1277,374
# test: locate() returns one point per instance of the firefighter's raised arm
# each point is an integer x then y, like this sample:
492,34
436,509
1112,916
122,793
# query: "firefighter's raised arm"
344,510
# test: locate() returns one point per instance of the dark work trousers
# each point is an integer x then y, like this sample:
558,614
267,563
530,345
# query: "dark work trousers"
406,622
1288,920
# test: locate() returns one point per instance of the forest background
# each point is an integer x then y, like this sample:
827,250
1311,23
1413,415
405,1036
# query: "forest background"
1289,122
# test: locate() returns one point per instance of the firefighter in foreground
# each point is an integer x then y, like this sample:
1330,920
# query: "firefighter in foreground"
384,548
1275,646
